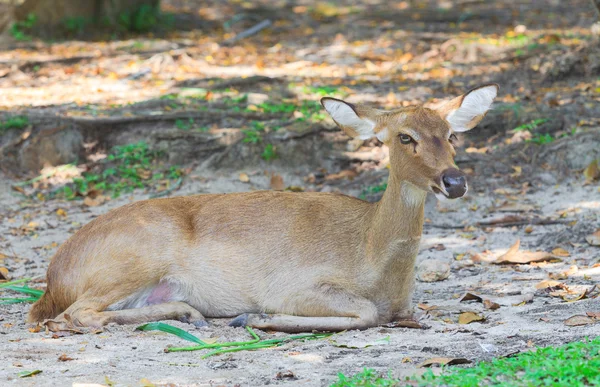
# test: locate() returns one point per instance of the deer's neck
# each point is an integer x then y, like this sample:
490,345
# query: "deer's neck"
398,216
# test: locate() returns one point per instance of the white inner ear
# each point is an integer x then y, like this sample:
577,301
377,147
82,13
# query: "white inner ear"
345,116
474,104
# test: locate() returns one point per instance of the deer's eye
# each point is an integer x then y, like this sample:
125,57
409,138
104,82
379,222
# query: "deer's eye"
452,138
406,139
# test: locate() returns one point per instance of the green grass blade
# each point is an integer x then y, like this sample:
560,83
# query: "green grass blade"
256,339
12,300
10,283
157,326
26,374
251,347
24,289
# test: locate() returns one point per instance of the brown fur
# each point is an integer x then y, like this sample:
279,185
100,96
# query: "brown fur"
312,260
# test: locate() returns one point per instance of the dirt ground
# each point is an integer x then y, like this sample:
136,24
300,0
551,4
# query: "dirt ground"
519,190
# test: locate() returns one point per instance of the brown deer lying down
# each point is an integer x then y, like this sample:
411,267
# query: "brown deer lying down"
278,260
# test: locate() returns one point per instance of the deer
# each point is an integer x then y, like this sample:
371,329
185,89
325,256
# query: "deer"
270,260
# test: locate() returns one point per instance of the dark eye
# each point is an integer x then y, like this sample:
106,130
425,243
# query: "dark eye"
406,139
452,138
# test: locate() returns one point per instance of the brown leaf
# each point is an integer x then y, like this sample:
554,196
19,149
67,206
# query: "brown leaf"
244,178
35,329
470,297
405,324
469,317
594,239
426,307
61,212
548,284
285,375
64,357
345,174
560,252
93,202
593,314
491,305
515,207
4,274
578,320
277,183
513,255
592,172
441,361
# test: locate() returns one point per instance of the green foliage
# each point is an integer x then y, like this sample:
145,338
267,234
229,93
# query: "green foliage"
547,138
251,136
575,365
76,25
542,139
366,378
144,19
532,125
373,190
15,122
269,153
126,168
220,348
33,294
184,124
21,30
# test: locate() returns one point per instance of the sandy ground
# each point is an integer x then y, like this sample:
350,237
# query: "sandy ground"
126,357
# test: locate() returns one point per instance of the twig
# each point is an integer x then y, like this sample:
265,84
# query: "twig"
249,32
525,222
500,224
166,192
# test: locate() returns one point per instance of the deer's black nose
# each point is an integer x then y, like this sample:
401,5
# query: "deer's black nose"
455,183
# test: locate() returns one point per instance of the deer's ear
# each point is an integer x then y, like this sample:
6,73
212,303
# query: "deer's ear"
356,121
466,111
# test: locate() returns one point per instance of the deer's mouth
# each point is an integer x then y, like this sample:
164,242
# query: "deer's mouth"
441,195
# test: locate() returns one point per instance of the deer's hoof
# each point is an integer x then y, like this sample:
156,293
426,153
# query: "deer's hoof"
240,321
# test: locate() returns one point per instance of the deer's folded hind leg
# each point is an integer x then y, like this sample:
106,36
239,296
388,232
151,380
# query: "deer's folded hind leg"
320,311
85,314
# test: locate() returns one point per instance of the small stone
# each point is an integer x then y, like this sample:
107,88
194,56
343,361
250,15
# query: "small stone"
257,98
433,270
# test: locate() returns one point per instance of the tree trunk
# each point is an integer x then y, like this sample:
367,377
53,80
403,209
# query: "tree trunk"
52,14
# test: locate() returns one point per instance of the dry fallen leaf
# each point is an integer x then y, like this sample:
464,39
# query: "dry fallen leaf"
594,239
405,324
513,255
60,212
469,317
441,361
146,383
64,357
4,274
548,284
93,202
593,314
244,178
345,174
578,320
515,207
277,183
592,172
560,252
491,305
517,171
470,297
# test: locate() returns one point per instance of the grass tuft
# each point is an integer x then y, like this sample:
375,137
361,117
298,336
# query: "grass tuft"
575,364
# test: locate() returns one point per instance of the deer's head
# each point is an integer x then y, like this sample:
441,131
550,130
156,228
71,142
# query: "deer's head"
420,139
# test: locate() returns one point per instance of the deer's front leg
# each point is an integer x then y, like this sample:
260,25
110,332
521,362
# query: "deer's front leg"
324,309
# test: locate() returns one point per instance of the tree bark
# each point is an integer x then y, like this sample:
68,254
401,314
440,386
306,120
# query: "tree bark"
52,13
